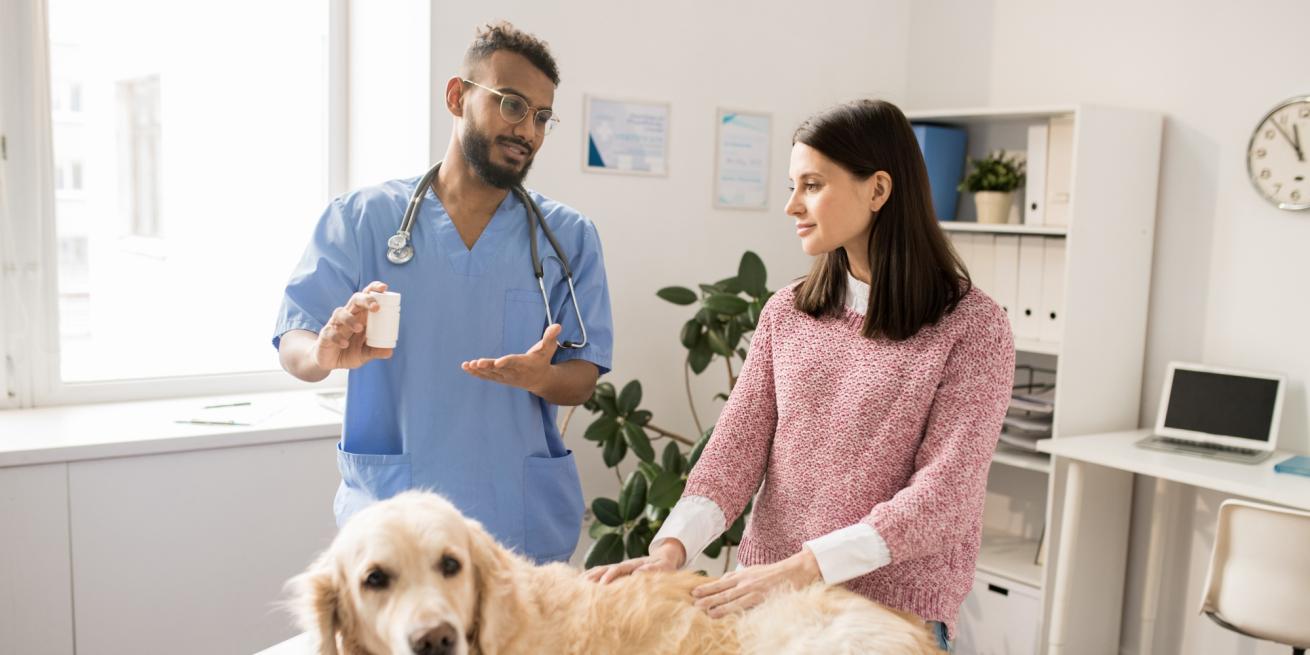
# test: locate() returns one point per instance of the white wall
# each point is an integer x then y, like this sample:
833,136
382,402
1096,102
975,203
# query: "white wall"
1228,268
779,58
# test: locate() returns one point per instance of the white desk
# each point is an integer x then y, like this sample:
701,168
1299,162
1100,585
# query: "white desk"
297,645
1255,481
1083,522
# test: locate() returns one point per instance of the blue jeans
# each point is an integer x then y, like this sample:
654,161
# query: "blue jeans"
938,630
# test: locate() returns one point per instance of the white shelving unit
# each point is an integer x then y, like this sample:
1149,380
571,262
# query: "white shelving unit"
1096,353
984,228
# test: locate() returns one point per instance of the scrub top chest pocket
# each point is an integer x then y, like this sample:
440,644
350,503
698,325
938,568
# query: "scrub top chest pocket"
524,320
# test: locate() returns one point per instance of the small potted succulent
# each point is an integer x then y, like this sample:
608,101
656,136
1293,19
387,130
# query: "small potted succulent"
992,182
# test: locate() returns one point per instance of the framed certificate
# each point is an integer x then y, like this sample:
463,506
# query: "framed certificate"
626,136
741,160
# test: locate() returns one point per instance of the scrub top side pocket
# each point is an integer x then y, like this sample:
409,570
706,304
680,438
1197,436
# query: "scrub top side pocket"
552,507
525,320
366,479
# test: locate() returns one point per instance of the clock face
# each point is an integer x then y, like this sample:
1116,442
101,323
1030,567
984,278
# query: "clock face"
1278,158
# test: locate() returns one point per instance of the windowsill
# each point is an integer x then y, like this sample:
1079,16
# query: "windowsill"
98,431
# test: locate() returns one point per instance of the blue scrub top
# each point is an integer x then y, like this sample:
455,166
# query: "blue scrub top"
417,420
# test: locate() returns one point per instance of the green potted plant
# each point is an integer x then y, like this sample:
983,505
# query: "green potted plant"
726,315
992,182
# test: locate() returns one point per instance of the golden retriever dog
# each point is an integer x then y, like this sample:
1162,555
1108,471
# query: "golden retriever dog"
411,575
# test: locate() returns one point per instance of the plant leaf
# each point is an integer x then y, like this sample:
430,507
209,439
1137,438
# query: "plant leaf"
666,490
723,303
691,331
712,550
672,458
597,529
718,344
734,337
639,543
615,450
607,550
632,499
729,285
650,470
751,274
602,429
607,511
733,535
630,398
640,417
677,295
656,514
700,357
698,448
638,441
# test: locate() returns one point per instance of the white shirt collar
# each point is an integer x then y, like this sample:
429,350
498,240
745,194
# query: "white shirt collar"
857,295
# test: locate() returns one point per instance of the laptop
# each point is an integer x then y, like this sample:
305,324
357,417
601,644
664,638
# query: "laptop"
1219,413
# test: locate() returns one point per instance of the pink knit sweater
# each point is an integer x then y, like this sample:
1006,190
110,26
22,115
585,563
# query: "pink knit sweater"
841,429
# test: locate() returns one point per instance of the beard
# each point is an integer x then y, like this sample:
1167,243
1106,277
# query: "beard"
477,152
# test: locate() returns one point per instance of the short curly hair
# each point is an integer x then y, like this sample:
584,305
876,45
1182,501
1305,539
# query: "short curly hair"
502,35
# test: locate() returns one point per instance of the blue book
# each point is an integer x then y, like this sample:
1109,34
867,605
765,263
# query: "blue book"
1297,464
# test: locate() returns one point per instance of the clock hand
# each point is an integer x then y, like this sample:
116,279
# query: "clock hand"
1295,144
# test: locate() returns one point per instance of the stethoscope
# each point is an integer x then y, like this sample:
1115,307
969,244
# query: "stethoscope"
400,249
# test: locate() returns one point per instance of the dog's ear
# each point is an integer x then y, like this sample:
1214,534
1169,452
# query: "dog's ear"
499,599
316,603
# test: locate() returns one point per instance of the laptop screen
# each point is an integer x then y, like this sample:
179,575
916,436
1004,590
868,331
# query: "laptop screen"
1223,404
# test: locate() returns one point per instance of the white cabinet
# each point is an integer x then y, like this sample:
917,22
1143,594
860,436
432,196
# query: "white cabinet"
999,617
1076,291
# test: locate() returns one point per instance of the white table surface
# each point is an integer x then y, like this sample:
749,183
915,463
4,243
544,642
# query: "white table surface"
1119,450
80,432
297,645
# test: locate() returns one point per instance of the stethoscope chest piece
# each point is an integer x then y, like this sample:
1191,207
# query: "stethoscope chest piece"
399,251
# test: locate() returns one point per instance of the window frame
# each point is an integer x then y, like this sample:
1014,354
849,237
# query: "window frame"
29,325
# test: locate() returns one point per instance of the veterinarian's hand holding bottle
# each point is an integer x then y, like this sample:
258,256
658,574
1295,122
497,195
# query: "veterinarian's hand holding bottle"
340,344
668,556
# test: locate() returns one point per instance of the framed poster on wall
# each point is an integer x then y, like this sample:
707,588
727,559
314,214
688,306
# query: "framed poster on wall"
741,160
626,136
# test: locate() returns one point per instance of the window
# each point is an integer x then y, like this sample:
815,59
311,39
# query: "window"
191,149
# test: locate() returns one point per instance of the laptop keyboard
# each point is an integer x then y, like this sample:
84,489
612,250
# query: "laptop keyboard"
1206,447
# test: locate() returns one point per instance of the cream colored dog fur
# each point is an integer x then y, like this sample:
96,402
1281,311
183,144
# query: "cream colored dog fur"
413,575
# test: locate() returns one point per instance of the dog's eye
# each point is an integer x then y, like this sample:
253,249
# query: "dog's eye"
449,566
377,579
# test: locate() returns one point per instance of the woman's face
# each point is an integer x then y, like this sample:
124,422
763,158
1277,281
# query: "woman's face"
832,208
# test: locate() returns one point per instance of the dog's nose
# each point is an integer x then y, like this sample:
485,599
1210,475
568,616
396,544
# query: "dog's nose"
436,641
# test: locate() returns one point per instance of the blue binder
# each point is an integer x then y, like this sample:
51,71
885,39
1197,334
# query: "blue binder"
943,148
1297,464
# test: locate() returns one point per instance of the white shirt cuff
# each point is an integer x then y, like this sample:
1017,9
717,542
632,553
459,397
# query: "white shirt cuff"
849,553
695,522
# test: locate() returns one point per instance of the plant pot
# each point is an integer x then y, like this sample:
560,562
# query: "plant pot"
993,206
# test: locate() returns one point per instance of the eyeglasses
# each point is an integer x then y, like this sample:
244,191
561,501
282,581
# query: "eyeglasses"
514,109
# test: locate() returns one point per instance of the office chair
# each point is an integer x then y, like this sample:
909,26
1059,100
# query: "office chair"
1258,584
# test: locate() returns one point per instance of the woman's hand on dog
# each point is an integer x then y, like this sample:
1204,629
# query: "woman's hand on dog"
745,588
669,555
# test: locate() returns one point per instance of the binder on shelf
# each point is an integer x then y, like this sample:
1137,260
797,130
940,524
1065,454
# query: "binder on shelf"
1051,316
1035,188
1059,170
943,148
1006,277
1032,263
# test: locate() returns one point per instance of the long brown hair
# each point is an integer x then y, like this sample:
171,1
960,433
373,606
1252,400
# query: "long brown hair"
916,275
